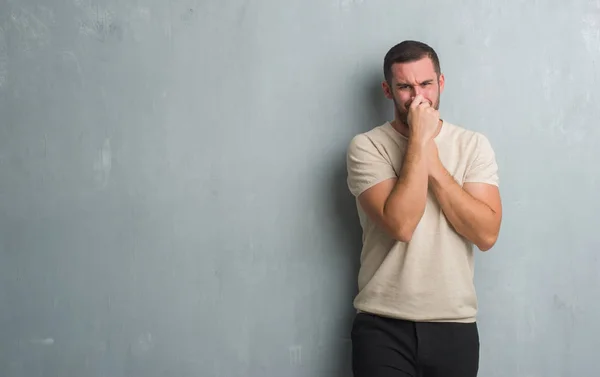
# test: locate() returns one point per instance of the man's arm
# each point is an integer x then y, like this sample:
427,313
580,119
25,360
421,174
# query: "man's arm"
397,204
474,210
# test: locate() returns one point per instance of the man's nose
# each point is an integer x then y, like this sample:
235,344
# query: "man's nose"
415,93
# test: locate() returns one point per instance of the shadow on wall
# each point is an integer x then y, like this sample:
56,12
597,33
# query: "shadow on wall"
372,111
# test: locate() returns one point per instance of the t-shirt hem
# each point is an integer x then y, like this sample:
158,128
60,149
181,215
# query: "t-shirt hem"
494,183
404,317
367,186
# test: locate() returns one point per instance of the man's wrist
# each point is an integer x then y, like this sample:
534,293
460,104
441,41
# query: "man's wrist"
417,141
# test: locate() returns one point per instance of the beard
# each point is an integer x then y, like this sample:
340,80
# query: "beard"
402,111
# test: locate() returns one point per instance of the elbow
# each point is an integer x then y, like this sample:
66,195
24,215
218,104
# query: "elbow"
487,242
402,228
489,237
403,234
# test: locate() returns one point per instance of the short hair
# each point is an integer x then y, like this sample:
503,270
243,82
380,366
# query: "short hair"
409,51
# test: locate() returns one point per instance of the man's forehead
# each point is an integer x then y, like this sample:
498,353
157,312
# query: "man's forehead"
418,71
424,64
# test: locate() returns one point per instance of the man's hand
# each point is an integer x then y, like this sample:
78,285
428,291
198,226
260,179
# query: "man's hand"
422,120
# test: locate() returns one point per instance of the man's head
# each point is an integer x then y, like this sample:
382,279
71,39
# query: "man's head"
411,68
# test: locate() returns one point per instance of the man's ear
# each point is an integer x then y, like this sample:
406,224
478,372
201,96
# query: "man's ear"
387,90
441,80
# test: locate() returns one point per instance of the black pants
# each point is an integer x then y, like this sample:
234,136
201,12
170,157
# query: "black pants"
385,347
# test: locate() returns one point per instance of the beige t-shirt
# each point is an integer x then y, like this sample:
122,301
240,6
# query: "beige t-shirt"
429,278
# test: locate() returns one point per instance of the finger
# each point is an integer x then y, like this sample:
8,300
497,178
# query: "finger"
417,101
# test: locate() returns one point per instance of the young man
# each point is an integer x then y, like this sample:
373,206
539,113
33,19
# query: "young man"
426,192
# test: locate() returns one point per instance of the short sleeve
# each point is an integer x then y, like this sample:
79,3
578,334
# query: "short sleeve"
366,165
483,168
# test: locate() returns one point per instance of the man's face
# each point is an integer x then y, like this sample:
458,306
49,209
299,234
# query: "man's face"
410,80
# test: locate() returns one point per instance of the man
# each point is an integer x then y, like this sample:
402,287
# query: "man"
426,191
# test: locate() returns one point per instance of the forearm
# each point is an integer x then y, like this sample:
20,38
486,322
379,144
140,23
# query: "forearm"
406,203
470,217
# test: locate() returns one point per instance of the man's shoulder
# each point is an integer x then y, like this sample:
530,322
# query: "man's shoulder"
459,131
371,138
368,160
465,137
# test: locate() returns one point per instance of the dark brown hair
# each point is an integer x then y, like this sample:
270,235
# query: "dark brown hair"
409,51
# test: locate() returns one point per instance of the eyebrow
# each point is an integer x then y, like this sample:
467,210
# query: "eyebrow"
422,83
